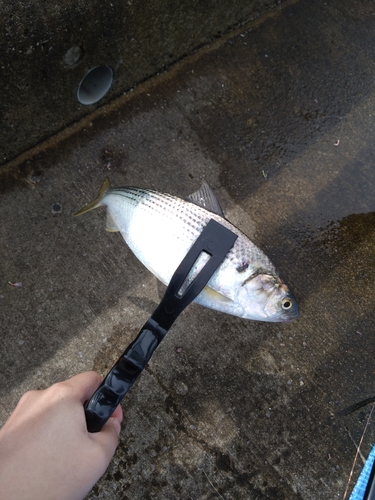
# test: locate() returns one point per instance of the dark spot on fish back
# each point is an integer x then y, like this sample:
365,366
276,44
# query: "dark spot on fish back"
242,268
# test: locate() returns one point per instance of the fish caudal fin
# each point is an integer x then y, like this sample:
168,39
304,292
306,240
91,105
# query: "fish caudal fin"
96,203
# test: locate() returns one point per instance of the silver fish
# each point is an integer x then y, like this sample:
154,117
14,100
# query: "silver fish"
160,229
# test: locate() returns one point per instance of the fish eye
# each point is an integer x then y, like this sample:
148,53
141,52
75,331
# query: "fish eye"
286,304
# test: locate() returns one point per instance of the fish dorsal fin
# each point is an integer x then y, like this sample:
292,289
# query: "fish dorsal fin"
110,224
206,198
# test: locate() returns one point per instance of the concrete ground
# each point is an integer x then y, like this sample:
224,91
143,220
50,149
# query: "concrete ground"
52,47
280,119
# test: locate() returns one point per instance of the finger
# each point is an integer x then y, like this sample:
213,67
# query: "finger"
85,384
108,436
116,424
118,413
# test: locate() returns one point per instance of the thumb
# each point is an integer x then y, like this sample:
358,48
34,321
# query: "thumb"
115,423
115,420
108,437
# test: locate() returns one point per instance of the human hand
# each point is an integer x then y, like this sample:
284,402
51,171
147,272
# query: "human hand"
46,451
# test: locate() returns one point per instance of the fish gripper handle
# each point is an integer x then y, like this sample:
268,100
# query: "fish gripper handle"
216,241
122,375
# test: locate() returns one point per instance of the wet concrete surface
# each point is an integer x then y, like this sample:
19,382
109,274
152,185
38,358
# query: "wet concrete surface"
52,48
280,120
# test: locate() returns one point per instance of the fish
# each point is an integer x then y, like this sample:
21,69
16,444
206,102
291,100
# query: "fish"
160,229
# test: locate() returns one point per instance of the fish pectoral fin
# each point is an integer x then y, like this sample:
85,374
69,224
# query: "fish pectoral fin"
97,202
110,224
214,295
206,198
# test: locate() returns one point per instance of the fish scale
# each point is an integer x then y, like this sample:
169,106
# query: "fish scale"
161,228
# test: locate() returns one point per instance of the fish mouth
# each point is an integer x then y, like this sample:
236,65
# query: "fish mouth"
283,318
289,320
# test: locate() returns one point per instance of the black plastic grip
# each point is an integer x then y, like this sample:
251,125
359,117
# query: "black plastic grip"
122,376
215,240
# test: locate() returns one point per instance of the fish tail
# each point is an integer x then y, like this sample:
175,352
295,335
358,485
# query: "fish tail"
97,202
